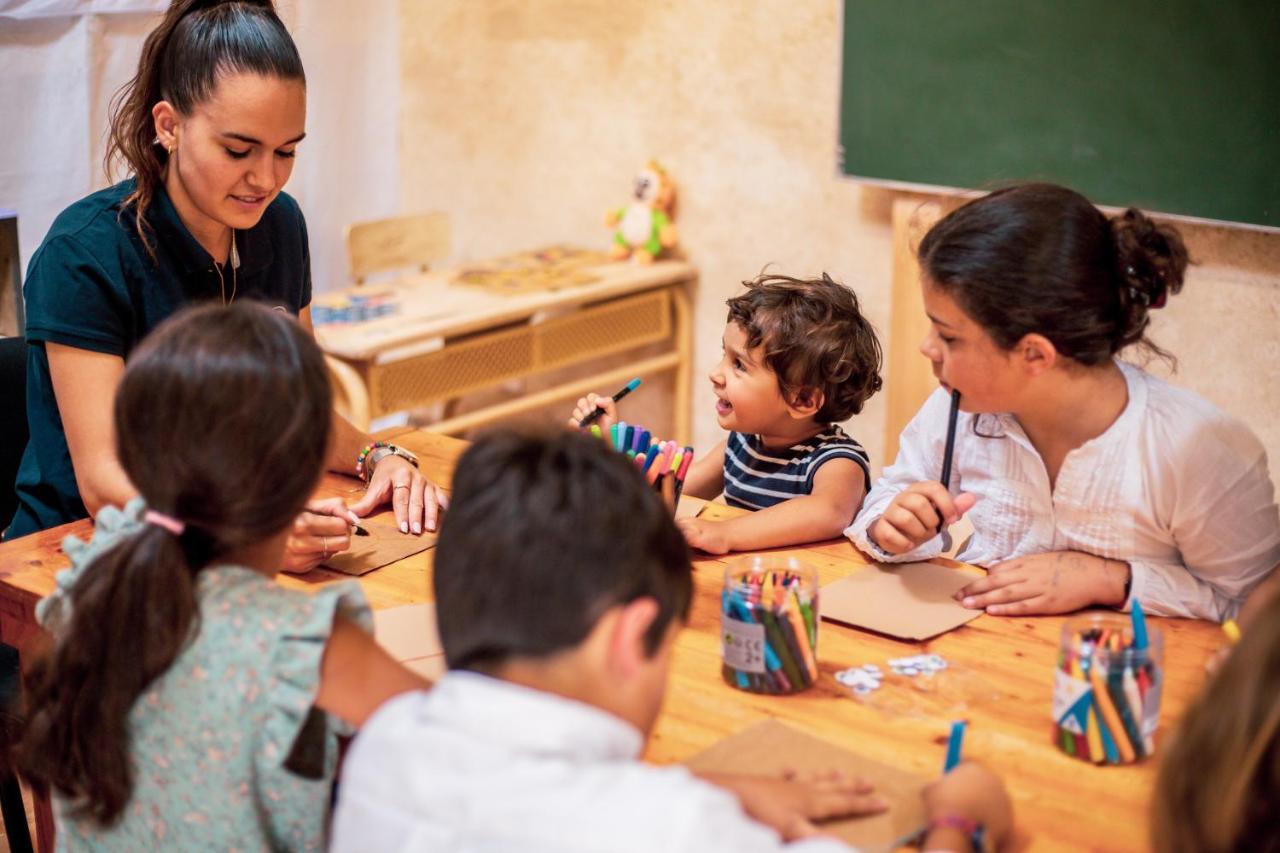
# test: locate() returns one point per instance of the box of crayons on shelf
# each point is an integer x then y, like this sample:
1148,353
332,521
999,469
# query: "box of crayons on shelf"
1106,691
769,625
663,463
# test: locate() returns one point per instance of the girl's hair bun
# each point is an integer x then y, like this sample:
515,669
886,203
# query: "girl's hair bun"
1152,262
1152,257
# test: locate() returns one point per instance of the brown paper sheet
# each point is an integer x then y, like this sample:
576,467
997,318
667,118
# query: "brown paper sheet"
409,635
384,545
911,601
770,748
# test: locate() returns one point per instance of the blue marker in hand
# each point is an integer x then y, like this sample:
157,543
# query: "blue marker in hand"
954,745
631,386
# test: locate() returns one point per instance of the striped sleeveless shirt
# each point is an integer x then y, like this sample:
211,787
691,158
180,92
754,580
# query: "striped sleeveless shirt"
756,478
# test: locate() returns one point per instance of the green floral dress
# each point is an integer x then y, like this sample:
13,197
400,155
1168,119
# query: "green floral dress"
228,749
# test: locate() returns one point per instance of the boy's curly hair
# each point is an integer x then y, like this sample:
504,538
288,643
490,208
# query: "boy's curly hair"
814,337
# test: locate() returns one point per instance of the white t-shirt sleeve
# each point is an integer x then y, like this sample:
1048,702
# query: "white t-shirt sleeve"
920,450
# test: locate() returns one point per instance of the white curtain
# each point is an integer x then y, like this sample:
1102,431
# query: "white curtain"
62,60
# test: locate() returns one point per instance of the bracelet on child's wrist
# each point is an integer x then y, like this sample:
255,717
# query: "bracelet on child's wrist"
968,826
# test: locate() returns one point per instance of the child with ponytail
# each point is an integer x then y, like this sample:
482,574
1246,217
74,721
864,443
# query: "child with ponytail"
1087,480
188,700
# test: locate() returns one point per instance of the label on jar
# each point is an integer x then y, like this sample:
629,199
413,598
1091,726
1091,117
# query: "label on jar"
742,644
1151,703
1071,701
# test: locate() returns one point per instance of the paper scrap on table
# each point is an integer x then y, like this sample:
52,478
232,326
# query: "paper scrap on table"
770,748
384,545
911,601
409,635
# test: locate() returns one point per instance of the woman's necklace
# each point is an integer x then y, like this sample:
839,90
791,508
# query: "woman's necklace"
233,259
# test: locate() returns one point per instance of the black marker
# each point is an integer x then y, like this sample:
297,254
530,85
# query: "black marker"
950,446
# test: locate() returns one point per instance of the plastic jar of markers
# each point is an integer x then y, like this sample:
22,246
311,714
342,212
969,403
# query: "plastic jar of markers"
769,624
1106,691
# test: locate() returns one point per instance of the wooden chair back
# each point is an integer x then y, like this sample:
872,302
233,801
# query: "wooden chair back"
397,243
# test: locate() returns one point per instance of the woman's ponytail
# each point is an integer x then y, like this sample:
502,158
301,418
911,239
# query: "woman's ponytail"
196,41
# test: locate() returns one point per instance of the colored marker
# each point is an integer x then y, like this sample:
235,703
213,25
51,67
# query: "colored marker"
955,744
1232,630
684,464
1139,625
949,450
599,410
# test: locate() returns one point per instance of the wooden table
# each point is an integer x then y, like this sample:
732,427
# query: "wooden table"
448,339
1002,668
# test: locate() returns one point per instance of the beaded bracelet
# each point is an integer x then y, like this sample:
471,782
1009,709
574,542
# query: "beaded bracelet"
364,452
970,828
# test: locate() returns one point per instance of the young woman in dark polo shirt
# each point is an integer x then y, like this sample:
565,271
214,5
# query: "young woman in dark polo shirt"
209,128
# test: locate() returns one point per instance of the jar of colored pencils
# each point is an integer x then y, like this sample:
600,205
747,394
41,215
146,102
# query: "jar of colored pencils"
769,624
1106,691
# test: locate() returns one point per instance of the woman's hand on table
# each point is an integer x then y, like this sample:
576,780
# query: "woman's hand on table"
320,531
1043,584
415,500
791,803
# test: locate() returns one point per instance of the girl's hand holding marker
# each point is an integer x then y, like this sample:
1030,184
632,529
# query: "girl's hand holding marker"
925,509
917,515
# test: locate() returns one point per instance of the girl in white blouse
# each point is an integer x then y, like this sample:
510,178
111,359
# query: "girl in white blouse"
1087,480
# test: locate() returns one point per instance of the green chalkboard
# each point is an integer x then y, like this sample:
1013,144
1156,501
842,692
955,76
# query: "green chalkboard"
1170,105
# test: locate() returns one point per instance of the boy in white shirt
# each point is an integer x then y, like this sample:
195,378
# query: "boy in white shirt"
561,582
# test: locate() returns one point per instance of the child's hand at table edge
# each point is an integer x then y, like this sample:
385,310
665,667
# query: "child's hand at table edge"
916,515
791,803
971,792
587,405
1041,584
708,536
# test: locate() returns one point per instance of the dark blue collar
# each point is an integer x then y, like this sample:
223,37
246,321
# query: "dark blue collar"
188,255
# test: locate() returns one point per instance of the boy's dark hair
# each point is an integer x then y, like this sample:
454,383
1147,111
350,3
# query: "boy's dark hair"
1040,258
815,338
545,532
206,402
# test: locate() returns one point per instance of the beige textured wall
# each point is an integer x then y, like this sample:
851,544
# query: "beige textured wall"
525,121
